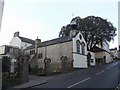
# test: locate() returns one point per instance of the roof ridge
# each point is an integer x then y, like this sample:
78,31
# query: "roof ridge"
24,39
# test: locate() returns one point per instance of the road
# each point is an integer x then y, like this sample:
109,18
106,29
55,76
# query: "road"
103,76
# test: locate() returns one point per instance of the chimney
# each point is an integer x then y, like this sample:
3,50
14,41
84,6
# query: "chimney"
37,43
16,34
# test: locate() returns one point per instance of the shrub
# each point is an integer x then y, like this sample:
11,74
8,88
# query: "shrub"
7,75
5,64
9,79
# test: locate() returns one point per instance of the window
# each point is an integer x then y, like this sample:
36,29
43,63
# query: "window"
16,50
25,45
91,60
32,52
40,56
83,47
80,36
78,46
11,50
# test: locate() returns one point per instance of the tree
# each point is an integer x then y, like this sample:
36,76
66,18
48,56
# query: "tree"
94,29
66,29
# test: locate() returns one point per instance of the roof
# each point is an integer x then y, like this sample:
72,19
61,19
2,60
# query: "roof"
10,46
53,41
97,49
113,49
27,40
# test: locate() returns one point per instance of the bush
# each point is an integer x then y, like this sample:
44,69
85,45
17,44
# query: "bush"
40,72
9,79
7,75
5,64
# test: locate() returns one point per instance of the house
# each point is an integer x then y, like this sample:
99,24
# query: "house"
102,53
114,53
10,52
63,53
21,42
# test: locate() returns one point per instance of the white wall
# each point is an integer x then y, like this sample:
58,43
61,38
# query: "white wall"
24,45
80,61
82,40
102,54
108,57
2,49
15,42
106,46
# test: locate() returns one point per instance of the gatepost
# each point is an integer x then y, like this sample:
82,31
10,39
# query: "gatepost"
24,69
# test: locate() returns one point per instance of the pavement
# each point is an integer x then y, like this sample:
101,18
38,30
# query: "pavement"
33,81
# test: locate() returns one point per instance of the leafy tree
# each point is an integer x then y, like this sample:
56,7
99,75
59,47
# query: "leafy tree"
66,29
94,29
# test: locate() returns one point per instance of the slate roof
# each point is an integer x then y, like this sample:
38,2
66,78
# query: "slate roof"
113,49
53,41
97,49
27,40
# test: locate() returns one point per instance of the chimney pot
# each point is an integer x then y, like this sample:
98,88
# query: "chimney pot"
16,34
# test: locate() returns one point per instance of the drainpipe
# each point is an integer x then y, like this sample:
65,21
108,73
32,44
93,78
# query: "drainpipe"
45,51
37,44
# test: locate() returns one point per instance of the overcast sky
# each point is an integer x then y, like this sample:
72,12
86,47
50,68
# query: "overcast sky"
45,18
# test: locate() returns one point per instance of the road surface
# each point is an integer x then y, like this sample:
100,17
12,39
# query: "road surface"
103,76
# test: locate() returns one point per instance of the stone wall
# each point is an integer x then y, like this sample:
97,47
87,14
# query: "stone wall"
55,52
102,54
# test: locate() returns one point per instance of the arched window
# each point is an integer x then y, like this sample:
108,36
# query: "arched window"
83,47
78,46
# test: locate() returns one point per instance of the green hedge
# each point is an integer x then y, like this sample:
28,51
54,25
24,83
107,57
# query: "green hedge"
10,79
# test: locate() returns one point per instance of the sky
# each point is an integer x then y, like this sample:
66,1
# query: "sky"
44,18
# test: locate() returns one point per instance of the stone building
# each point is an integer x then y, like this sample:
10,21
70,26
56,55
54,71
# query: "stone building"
62,53
114,53
102,53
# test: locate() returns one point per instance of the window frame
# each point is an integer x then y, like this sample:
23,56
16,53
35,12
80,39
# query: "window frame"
83,48
40,56
78,46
